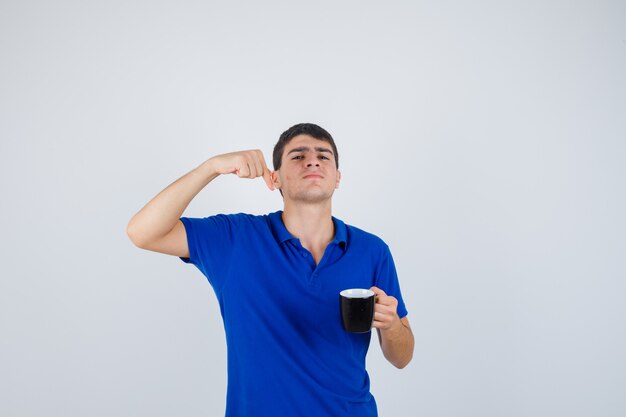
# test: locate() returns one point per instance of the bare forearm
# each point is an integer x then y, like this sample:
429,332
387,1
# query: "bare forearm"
159,216
397,344
394,333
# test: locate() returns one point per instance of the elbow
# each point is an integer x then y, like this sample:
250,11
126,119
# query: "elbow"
134,235
402,357
403,364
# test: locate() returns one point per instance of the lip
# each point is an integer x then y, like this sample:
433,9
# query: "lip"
313,176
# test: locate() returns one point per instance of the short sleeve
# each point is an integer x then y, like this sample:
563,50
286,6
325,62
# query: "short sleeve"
387,280
211,245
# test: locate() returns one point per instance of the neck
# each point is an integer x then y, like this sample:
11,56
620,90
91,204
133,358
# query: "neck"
312,224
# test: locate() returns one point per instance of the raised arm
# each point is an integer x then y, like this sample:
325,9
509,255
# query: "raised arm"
157,227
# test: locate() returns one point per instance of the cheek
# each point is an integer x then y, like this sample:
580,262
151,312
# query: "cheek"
285,179
289,176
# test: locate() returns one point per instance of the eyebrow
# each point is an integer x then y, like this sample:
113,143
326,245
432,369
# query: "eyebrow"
307,149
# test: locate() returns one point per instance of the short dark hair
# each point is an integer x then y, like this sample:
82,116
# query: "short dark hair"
310,129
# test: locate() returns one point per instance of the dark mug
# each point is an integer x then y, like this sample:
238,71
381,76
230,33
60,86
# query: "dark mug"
357,309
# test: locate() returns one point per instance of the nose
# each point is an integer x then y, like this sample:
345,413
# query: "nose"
311,161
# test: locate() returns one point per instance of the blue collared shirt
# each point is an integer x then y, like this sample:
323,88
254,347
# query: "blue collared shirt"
288,354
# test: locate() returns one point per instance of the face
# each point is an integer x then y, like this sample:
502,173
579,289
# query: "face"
308,171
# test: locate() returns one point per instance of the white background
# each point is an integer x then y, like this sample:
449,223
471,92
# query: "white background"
484,141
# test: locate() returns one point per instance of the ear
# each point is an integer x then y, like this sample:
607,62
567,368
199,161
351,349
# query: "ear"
338,179
275,179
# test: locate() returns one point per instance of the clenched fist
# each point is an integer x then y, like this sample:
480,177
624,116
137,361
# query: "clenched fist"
385,311
244,164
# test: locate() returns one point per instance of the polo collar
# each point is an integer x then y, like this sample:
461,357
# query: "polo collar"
282,234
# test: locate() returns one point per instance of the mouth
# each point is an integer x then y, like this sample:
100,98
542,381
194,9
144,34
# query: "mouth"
312,176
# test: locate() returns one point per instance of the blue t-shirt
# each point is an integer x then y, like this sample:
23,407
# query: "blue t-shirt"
288,354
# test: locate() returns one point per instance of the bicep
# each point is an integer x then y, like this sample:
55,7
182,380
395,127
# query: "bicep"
174,243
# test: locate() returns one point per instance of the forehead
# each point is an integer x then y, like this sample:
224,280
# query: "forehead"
306,141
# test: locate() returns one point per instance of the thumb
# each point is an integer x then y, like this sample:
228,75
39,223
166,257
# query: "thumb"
378,291
268,178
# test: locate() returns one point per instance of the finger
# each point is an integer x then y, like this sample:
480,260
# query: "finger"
378,324
267,174
384,310
258,167
379,316
251,167
267,177
385,320
386,300
381,299
378,291
243,171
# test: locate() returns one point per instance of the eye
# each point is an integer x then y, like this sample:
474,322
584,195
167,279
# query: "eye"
324,157
297,157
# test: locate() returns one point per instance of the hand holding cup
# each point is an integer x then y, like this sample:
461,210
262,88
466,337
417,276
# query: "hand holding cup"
385,311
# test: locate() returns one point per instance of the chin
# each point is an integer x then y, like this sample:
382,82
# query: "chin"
312,197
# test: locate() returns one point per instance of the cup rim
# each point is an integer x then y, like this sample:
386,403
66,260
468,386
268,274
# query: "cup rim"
357,293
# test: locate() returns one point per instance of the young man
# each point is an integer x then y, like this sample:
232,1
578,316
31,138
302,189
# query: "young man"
277,278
